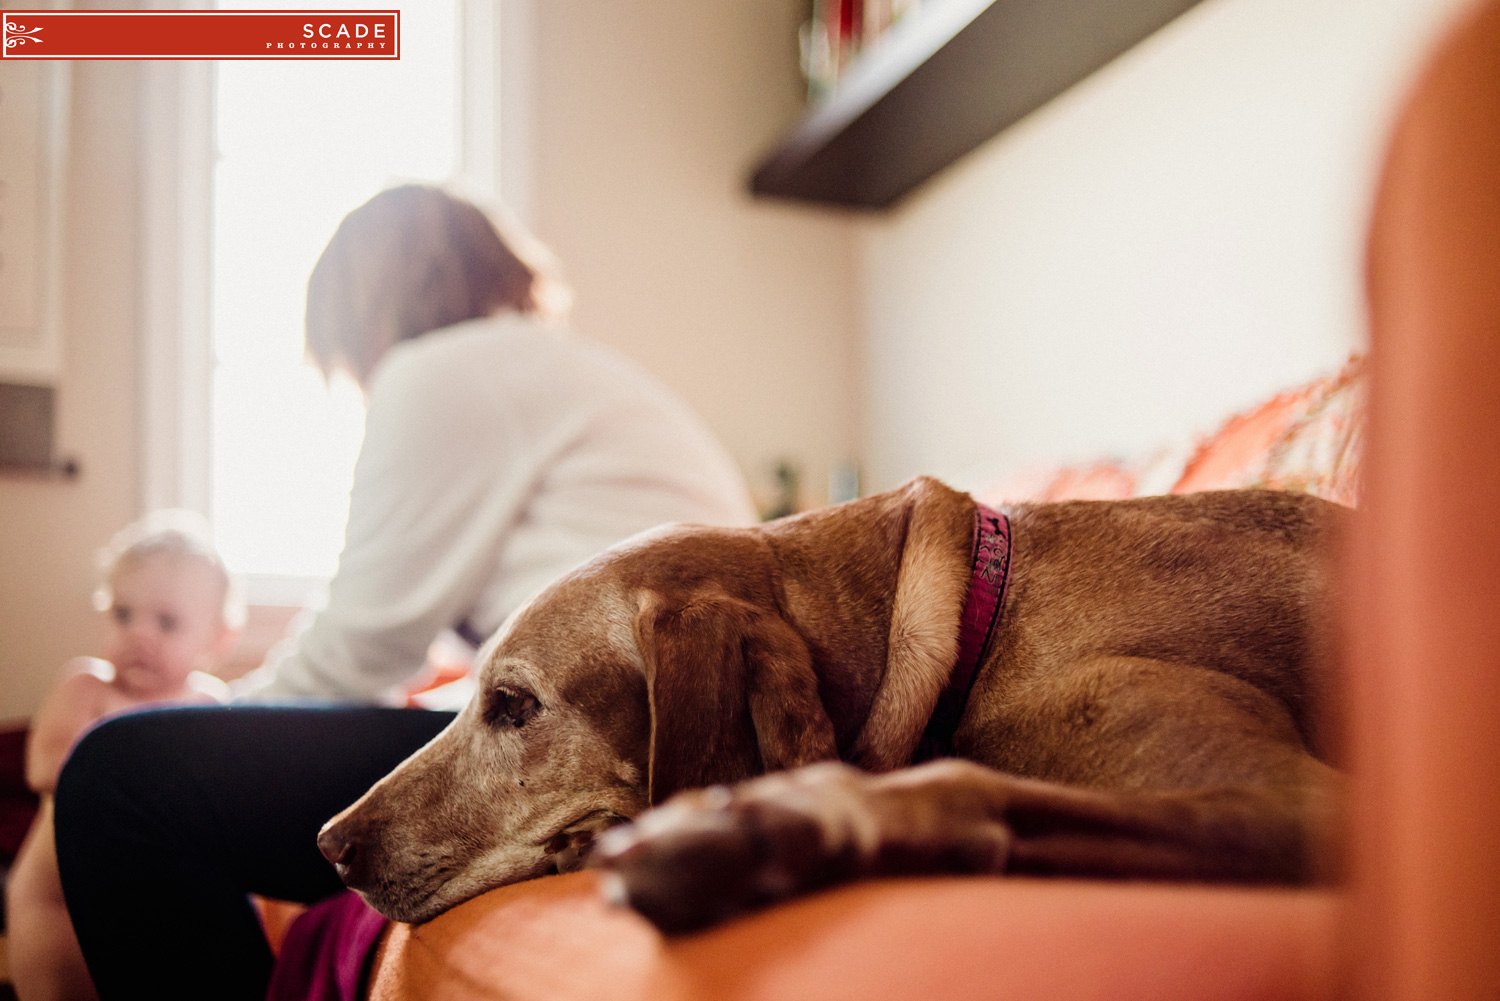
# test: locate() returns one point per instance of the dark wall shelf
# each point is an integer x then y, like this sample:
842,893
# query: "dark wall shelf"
940,83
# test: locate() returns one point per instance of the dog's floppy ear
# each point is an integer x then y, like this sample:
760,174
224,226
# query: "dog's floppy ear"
732,693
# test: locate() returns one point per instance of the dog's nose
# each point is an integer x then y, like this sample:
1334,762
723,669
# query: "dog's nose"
337,846
354,850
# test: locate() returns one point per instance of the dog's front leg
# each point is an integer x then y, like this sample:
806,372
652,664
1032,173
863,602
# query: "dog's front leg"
710,854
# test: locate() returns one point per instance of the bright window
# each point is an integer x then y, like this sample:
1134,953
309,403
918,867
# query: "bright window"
298,145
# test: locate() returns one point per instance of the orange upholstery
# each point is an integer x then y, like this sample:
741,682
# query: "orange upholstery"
1422,919
1426,673
276,919
931,938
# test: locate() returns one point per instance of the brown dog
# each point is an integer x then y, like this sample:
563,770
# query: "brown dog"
1139,704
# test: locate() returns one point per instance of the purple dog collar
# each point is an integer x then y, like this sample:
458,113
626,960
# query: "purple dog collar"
990,572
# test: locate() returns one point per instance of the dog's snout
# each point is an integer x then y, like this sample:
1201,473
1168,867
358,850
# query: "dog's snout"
352,842
336,844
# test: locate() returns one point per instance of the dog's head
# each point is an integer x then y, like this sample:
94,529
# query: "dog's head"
661,665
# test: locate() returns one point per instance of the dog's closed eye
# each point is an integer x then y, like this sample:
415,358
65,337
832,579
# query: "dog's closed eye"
511,707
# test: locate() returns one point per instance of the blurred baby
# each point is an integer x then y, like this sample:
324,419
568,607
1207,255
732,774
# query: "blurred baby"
173,613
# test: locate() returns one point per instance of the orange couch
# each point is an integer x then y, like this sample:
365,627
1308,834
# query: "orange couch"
1421,915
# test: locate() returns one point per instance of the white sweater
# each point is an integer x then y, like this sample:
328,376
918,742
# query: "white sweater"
496,456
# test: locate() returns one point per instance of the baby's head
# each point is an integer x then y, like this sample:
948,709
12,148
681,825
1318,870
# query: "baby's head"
172,607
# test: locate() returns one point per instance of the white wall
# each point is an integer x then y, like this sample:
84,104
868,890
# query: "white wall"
1175,238
647,118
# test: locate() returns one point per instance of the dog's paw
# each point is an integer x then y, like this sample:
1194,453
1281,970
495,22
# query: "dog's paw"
707,855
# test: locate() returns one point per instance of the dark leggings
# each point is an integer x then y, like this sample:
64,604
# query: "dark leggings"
167,818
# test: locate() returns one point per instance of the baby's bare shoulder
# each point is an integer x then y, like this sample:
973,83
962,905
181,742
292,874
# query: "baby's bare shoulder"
83,684
83,693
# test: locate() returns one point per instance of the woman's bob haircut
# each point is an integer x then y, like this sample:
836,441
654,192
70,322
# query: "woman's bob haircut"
414,259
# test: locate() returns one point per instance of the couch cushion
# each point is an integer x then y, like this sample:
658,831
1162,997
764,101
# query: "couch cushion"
1309,439
554,938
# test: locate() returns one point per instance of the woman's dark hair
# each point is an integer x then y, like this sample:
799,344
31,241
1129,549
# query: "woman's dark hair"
411,260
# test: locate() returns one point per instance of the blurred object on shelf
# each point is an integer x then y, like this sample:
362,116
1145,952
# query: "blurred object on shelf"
787,498
837,31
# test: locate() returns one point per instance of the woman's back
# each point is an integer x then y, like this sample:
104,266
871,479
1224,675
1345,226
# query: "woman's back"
497,455
578,447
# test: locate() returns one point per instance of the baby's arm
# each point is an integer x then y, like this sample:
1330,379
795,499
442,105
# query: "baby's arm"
79,698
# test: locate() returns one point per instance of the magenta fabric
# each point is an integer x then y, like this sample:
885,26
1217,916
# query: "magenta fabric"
328,951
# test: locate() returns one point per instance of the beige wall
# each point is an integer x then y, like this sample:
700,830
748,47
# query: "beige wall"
51,529
647,120
1177,237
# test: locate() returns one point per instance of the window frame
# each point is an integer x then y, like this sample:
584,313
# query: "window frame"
176,193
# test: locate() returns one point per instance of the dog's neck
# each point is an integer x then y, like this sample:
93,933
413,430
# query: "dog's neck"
879,601
988,579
